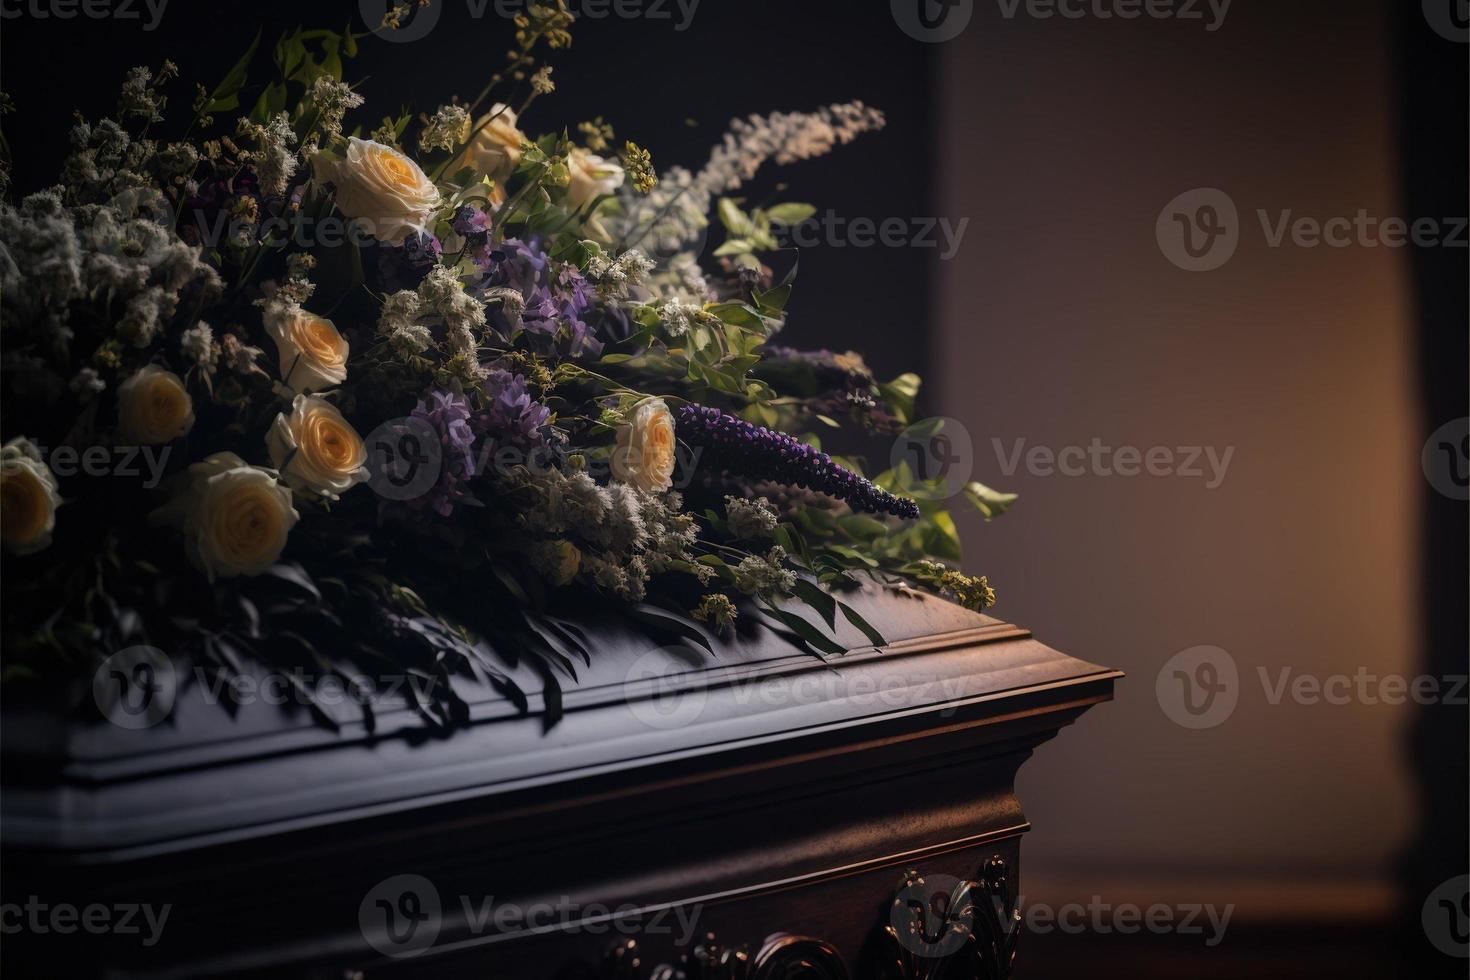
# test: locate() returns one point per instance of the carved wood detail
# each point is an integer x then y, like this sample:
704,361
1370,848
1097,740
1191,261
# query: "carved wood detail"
936,928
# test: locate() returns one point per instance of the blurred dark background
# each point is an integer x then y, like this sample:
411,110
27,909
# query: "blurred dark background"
1059,320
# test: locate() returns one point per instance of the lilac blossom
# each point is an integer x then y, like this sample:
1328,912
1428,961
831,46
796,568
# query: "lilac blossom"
448,414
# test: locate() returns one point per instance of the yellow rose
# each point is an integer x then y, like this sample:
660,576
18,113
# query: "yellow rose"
153,407
591,176
315,448
644,456
383,189
28,498
313,353
495,148
235,517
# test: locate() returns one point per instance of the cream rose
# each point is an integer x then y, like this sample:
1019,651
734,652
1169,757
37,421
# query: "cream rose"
495,148
235,517
591,175
28,498
153,407
315,448
382,188
313,352
644,456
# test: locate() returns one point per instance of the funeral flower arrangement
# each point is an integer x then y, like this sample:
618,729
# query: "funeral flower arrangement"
290,382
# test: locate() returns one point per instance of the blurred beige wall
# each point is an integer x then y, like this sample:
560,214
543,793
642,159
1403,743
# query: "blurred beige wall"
1062,320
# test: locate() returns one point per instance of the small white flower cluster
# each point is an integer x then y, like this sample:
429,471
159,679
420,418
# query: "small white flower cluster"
199,346
441,296
751,520
138,98
678,316
447,128
765,575
625,534
613,276
273,159
677,209
332,100
57,256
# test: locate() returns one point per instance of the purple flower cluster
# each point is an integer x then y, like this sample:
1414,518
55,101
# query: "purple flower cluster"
473,225
556,299
748,450
511,415
448,414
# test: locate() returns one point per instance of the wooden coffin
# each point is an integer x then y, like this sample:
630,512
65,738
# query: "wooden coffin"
756,813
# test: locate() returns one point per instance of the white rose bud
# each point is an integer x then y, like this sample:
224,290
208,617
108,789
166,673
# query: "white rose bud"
316,449
28,498
495,148
313,352
591,176
153,408
644,455
390,195
235,517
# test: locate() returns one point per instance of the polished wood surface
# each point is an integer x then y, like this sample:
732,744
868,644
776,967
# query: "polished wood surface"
756,792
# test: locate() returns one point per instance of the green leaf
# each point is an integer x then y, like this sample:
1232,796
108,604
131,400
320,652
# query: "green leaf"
900,394
665,621
228,90
790,213
874,637
805,630
736,221
819,600
991,503
941,537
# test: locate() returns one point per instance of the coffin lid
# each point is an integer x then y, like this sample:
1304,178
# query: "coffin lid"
82,790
